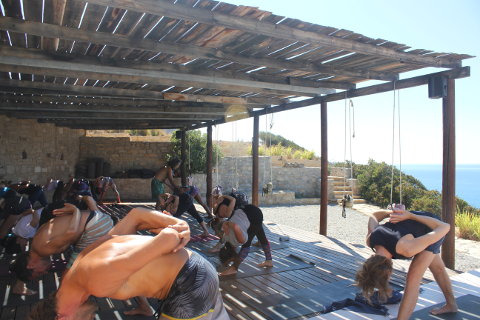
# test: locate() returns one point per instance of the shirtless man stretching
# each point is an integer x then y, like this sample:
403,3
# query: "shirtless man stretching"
70,227
124,264
163,177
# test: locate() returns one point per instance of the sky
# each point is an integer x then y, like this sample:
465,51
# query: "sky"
441,26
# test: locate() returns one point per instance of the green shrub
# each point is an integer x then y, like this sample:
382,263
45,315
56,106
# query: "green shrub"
375,180
196,147
468,225
286,152
430,201
271,139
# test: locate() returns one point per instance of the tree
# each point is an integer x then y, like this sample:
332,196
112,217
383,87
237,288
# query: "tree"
375,181
196,147
271,139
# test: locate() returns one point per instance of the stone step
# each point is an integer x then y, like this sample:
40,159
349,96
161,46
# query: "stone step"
355,201
342,192
336,178
340,196
342,188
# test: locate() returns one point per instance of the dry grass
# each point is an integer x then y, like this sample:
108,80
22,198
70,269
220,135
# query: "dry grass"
468,225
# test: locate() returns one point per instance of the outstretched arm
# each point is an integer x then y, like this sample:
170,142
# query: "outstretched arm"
409,247
115,189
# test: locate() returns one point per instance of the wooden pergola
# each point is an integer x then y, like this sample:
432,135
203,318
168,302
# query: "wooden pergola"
139,64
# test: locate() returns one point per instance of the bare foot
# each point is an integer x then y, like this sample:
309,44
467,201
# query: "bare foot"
265,264
205,235
139,311
445,309
228,272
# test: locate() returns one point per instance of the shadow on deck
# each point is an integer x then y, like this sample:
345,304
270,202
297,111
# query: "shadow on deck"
310,271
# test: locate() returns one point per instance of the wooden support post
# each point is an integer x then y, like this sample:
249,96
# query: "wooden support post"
209,167
323,170
448,175
184,157
256,127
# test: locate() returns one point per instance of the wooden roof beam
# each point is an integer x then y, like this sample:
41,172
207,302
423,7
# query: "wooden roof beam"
22,86
176,68
215,99
28,114
102,124
117,40
129,75
354,93
153,111
164,8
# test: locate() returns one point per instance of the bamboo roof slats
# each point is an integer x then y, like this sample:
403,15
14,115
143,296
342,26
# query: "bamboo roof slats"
207,51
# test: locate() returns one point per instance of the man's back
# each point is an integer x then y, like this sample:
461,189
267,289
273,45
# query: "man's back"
56,228
152,279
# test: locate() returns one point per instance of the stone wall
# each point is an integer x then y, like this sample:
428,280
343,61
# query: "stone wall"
36,151
341,172
288,183
134,189
124,153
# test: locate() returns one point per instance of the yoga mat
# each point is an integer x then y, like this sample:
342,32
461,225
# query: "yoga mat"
300,302
468,308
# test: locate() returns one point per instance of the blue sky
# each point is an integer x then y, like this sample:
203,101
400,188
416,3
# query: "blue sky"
442,26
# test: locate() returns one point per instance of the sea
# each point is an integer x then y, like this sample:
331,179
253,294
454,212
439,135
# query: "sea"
467,179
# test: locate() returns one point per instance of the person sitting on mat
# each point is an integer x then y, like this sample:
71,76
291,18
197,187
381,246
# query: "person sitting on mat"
101,186
162,177
243,224
69,227
184,203
124,264
408,234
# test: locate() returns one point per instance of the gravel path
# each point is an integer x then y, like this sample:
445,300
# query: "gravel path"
353,229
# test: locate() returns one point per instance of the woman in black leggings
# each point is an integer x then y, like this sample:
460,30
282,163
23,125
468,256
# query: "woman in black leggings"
242,226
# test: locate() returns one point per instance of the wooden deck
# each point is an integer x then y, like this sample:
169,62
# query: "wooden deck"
309,269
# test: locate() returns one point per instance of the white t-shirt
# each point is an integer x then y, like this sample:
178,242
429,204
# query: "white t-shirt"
23,228
239,218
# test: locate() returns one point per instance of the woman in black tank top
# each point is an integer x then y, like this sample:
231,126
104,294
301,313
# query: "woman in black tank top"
416,235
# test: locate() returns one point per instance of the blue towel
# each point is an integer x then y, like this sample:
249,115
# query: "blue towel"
360,304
